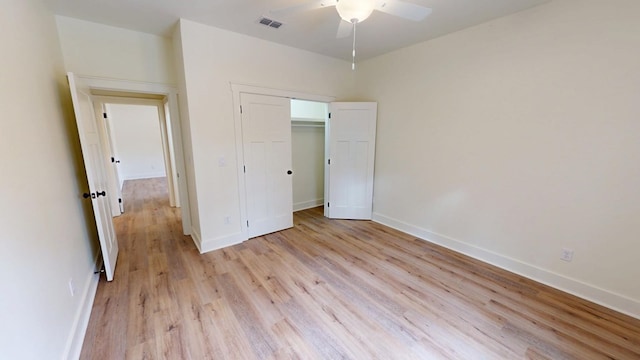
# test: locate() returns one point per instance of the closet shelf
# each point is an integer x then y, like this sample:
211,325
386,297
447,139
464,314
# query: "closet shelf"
305,122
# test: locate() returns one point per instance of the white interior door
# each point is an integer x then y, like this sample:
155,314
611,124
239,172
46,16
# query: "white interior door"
266,136
94,164
352,140
109,146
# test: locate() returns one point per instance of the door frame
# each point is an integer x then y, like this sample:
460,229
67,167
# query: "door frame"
236,90
171,95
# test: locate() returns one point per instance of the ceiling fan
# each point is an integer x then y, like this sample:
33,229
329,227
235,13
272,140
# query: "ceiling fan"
353,12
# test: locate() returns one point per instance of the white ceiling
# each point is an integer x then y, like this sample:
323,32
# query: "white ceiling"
313,30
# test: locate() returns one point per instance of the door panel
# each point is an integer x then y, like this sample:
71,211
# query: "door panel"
94,163
266,133
109,151
352,135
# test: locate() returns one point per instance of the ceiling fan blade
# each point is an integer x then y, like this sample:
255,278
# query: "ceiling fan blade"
305,6
344,29
403,9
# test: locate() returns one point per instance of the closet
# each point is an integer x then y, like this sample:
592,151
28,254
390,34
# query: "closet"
308,119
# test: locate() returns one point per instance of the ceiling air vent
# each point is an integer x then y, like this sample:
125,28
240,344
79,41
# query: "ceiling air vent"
270,23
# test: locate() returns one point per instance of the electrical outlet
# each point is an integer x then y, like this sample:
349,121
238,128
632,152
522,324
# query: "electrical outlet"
72,287
566,255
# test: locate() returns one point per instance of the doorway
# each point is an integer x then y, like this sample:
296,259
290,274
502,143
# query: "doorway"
348,160
308,120
337,152
240,91
138,140
168,97
94,140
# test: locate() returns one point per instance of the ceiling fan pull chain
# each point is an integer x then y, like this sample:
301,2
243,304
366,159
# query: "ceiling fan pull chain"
353,63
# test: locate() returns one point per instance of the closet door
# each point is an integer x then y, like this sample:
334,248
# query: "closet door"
266,136
352,141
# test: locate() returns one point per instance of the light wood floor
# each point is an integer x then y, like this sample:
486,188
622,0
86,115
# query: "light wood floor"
329,289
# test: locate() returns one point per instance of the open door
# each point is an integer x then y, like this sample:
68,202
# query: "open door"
266,137
94,164
109,146
351,156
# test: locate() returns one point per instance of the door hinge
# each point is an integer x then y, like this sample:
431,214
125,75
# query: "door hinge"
328,204
113,159
120,200
240,109
244,168
104,115
329,115
247,223
328,161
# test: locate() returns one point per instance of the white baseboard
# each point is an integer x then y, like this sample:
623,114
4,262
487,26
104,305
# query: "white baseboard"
215,244
152,175
81,320
197,239
589,292
307,204
221,242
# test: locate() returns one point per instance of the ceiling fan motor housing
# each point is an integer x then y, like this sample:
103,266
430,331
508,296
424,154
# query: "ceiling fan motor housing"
355,11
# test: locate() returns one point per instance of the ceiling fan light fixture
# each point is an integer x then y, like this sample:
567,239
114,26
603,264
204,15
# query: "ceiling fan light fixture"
355,10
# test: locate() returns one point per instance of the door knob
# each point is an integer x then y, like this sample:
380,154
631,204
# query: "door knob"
103,193
289,172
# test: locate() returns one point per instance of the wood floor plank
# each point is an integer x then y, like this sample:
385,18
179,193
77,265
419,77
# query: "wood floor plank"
296,347
144,351
233,344
107,342
140,327
329,289
173,345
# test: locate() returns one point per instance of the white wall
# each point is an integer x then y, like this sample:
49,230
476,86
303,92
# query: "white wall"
46,233
516,138
210,59
138,140
93,49
308,110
